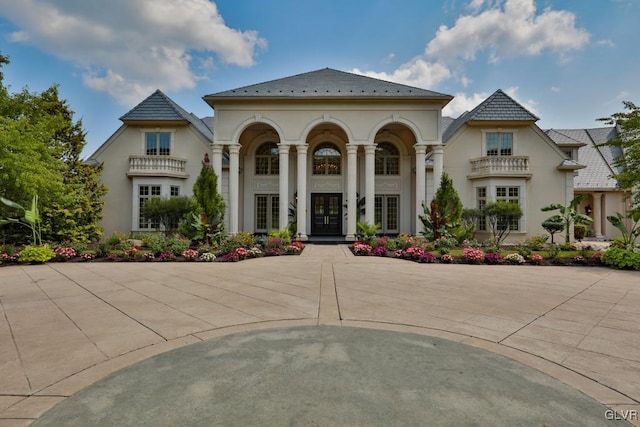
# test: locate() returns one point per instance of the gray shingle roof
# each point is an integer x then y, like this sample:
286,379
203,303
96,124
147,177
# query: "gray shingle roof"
597,159
328,83
159,107
497,107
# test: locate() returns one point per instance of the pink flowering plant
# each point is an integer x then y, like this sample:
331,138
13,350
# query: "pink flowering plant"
380,251
190,254
535,259
88,256
64,253
473,256
446,259
167,256
360,248
493,258
242,253
427,257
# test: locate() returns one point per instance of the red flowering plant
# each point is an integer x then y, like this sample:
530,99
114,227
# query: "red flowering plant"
473,256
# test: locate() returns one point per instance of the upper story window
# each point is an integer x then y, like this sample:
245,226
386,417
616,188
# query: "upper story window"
157,143
326,160
267,161
499,144
387,159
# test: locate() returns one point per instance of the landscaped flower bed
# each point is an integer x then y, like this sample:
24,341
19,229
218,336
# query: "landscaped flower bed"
443,251
159,248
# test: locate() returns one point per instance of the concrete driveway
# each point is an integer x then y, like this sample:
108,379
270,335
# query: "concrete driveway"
65,326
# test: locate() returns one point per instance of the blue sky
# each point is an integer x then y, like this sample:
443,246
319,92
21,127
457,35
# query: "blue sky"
568,61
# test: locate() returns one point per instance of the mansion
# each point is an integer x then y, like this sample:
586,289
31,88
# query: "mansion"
327,149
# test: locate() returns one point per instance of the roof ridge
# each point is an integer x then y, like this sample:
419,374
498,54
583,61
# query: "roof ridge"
597,147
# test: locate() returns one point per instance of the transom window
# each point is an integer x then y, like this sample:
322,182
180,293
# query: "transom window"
499,144
158,143
267,161
387,159
326,160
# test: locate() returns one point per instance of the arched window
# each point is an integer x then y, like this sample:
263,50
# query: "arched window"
387,159
267,161
326,160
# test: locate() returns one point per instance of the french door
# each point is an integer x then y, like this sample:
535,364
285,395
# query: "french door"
326,211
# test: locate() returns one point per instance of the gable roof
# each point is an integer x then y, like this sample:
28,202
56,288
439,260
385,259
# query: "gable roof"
328,83
159,107
597,159
497,107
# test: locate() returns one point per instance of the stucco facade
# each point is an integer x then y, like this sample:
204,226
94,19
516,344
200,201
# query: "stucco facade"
307,149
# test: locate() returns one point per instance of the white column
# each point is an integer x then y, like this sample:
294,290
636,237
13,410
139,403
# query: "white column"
302,191
352,207
217,164
438,164
369,182
597,215
421,151
283,153
234,187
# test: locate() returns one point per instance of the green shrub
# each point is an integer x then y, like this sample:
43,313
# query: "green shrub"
115,239
579,231
177,244
284,234
158,243
536,243
622,258
36,254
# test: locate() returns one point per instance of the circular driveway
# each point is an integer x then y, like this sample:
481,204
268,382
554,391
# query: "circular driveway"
64,327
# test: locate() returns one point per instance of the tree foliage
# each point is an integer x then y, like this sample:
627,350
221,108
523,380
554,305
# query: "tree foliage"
443,213
169,213
500,215
628,140
568,215
40,149
207,223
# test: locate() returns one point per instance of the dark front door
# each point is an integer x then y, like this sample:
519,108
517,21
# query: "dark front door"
327,214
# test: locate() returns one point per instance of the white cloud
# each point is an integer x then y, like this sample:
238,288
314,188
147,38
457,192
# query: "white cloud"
389,58
463,102
128,48
624,95
417,72
555,89
606,43
511,30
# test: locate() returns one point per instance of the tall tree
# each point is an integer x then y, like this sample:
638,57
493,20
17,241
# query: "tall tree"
628,139
40,147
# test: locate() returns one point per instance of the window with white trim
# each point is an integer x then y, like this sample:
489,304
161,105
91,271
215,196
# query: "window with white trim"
267,160
267,212
157,143
146,192
481,200
386,213
326,160
499,143
511,195
387,159
174,191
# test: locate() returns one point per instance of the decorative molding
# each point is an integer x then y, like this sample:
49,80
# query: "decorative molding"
263,184
326,185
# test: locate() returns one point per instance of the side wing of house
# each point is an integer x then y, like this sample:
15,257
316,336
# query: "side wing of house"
497,152
157,152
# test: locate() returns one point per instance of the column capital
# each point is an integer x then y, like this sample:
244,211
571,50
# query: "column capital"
234,148
283,148
420,149
217,148
597,195
437,148
352,149
302,148
370,148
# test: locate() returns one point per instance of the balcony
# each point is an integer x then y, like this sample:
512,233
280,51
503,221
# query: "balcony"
500,166
161,166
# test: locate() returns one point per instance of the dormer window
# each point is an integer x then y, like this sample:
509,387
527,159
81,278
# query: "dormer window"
158,143
499,143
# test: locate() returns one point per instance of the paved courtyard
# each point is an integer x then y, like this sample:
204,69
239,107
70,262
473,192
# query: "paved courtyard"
65,326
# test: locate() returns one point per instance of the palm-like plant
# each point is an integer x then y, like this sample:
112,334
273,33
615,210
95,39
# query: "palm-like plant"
31,218
568,215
